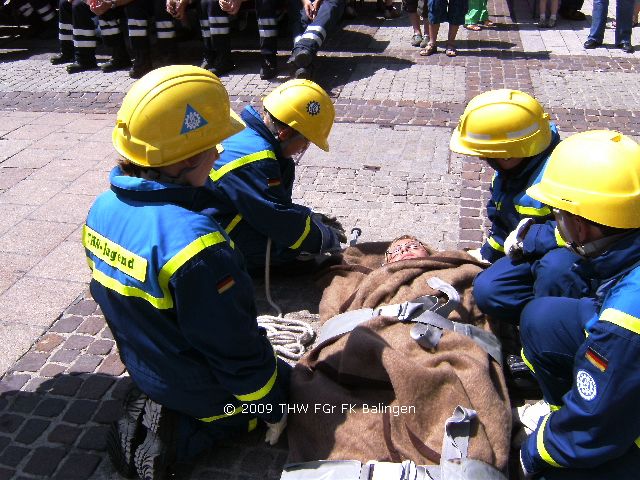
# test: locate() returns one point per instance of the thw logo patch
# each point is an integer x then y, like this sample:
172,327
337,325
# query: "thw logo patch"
192,120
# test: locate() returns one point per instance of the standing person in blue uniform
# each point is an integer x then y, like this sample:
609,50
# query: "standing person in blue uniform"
311,21
172,287
511,131
252,181
585,353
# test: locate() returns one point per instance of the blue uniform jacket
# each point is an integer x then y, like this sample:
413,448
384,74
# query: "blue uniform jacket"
598,420
252,183
179,301
509,203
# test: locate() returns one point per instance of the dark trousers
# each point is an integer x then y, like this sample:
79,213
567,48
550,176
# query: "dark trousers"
113,27
214,24
312,34
77,30
503,289
139,13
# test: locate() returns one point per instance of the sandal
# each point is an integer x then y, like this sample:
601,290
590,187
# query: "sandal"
489,24
473,26
451,51
430,50
416,39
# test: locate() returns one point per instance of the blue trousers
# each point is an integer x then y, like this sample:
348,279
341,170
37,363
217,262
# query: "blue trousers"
503,289
624,21
552,330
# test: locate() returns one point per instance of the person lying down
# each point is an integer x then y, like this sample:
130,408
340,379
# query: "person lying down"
375,393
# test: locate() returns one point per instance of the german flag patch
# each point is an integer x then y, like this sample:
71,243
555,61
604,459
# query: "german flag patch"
596,359
225,284
274,182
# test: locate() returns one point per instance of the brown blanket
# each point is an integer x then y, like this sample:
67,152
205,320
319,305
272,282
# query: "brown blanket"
375,394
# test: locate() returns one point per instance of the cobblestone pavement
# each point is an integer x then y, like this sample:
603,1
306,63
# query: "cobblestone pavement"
389,171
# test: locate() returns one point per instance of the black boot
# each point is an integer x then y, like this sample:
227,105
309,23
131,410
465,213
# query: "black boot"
141,64
301,57
119,60
269,67
158,450
127,433
65,56
223,64
82,64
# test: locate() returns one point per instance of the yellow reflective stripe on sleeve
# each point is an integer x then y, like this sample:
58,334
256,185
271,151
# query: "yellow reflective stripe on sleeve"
498,205
218,417
542,450
216,175
166,301
532,211
113,254
253,423
624,320
554,408
233,223
637,442
559,240
305,233
495,245
261,393
526,361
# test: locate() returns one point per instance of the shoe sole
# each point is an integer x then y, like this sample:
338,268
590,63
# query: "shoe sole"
126,434
157,451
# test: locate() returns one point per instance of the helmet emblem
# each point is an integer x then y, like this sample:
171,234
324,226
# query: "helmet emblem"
313,108
192,120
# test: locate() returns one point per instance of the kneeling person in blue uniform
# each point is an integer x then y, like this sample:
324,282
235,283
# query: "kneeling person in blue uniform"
585,353
172,288
252,181
511,131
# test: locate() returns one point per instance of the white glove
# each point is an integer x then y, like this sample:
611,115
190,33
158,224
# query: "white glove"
513,243
274,430
475,253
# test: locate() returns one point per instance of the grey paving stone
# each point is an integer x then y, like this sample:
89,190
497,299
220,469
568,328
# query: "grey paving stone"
32,430
44,461
66,385
101,347
77,342
13,455
80,411
94,438
85,364
78,466
7,473
31,362
51,407
95,386
65,434
67,324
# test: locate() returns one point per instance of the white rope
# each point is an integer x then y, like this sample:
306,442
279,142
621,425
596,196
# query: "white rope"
289,336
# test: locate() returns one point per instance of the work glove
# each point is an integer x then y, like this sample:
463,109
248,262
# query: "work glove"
475,253
331,236
274,430
513,243
332,222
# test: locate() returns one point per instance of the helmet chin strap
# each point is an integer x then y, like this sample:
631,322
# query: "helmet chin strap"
595,248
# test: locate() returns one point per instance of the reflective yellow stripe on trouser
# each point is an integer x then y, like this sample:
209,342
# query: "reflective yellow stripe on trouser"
495,245
167,271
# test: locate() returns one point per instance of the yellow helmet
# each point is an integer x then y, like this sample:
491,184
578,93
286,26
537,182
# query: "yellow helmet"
502,124
595,175
171,114
305,107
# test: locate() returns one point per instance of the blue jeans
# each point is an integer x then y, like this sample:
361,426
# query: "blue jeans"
624,20
447,11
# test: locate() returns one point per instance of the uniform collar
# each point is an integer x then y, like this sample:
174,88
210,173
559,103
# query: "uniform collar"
254,121
618,258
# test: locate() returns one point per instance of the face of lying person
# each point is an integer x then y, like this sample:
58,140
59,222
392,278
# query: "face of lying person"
404,249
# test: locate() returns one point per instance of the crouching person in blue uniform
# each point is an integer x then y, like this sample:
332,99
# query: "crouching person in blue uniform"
585,353
172,287
511,131
252,181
